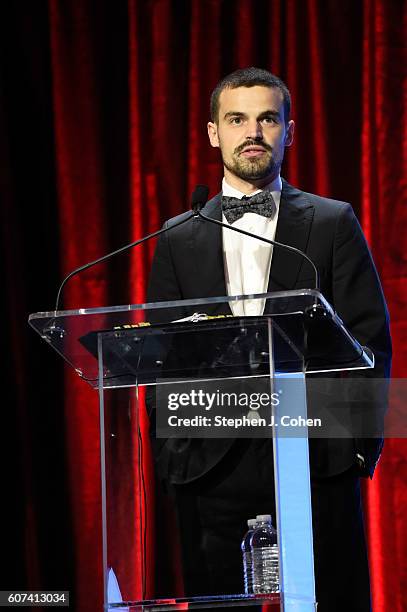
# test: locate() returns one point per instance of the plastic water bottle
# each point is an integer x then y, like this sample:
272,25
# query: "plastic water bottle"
265,556
247,556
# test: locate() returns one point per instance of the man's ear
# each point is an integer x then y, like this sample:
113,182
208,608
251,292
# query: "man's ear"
289,137
213,134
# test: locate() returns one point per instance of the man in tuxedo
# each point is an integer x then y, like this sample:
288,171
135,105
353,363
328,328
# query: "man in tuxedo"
221,483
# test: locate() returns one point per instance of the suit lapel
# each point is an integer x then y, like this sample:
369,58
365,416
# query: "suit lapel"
293,228
207,253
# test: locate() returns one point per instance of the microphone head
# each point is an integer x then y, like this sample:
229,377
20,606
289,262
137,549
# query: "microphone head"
199,197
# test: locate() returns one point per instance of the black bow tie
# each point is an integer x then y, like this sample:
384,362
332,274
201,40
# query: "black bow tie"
262,204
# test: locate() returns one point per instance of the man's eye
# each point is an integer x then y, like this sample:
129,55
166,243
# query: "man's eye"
236,120
269,119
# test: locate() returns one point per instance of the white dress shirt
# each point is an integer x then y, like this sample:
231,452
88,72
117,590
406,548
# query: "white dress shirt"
247,260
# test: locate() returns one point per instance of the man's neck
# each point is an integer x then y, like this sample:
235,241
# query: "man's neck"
237,191
250,187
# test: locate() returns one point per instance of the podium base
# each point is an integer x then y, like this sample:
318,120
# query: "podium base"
263,603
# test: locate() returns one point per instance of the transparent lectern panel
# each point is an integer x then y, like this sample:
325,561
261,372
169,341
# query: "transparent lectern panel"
305,322
228,348
232,348
175,508
157,552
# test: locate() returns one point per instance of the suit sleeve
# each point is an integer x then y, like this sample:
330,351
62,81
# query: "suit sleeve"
359,301
163,286
357,293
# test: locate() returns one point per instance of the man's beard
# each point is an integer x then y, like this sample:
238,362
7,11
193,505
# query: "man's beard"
253,169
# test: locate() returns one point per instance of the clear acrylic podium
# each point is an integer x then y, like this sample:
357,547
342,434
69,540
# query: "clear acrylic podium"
157,368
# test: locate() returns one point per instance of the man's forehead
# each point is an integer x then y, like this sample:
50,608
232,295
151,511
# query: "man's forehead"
246,99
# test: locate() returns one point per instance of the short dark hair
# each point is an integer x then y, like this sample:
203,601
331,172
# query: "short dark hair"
250,77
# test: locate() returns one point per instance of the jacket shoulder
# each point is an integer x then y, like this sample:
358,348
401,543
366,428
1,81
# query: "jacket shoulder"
207,209
177,219
323,205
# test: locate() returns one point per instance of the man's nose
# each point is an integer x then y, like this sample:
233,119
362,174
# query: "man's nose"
254,130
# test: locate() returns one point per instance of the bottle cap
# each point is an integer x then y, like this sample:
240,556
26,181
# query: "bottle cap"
251,522
263,518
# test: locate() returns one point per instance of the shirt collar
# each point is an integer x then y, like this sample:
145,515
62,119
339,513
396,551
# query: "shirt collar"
274,187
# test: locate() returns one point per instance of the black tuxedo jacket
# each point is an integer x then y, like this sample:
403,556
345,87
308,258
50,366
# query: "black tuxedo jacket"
188,263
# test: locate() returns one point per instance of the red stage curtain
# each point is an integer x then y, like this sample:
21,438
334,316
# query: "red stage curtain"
81,205
384,218
129,93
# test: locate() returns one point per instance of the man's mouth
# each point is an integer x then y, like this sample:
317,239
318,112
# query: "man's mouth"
253,151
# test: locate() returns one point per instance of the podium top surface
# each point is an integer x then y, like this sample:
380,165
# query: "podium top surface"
308,335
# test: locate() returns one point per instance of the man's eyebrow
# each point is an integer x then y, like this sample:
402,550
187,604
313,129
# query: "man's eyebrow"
234,114
266,113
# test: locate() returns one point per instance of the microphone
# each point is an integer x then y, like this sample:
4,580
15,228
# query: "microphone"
204,189
198,200
199,197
